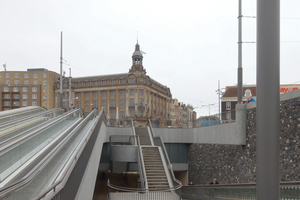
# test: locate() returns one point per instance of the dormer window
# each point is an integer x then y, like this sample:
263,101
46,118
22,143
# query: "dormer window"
112,82
103,82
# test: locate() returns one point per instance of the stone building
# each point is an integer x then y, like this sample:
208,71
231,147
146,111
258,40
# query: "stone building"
132,95
33,87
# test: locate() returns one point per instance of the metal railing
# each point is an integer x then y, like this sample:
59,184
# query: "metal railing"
141,166
117,193
288,191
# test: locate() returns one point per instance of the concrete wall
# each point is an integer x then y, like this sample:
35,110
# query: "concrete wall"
88,182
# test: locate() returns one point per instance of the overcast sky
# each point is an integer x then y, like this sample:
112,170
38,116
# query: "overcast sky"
189,45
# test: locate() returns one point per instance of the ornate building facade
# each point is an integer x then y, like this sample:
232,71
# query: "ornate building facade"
133,95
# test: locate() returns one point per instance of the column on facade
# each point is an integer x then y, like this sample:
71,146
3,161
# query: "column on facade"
136,101
126,101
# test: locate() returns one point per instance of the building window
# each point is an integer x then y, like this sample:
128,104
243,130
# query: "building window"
7,103
112,103
228,105
34,89
78,84
141,92
7,96
122,93
24,103
45,82
121,81
95,95
26,82
131,80
140,102
131,112
78,94
122,114
45,89
35,82
94,83
45,76
112,93
6,89
86,95
24,96
34,96
26,75
17,96
131,102
122,104
103,82
112,82
44,96
103,94
17,82
16,75
104,103
86,84
140,113
44,103
24,89
15,89
131,93
7,75
78,104
63,95
112,114
16,103
34,103
64,85
35,75
7,82
86,104
153,106
95,104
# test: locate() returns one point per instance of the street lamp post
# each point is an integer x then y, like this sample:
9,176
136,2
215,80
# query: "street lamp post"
70,88
60,83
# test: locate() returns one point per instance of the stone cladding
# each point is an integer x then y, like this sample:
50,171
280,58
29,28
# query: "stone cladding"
237,164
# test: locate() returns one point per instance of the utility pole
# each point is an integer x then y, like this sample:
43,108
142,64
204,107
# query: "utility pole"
240,69
219,99
61,62
268,99
70,88
4,66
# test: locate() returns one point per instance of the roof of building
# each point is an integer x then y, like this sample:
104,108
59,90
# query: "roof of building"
100,77
232,91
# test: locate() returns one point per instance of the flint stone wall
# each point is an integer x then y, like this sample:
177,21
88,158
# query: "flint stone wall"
237,164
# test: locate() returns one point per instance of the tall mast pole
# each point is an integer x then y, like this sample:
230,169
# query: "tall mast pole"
240,69
70,88
61,62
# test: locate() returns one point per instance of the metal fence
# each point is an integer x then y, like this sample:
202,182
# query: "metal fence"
288,191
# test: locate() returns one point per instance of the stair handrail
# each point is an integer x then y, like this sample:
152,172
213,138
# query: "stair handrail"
142,170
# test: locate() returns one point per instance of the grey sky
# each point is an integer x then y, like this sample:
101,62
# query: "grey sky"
190,44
